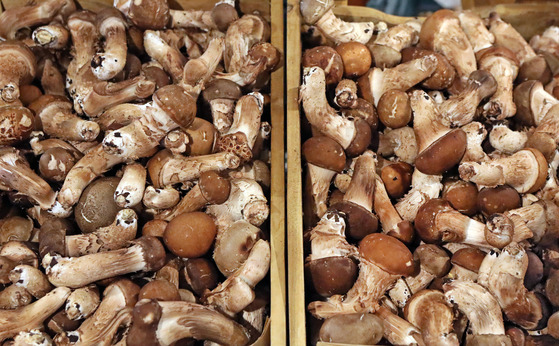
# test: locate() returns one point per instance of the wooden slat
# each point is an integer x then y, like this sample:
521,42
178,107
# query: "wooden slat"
278,330
367,14
296,286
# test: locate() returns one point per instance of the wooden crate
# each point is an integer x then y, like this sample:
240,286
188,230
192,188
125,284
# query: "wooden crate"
272,10
528,18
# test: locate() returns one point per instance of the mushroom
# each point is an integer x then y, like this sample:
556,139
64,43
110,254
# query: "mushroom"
162,198
164,323
33,337
201,275
382,260
397,178
357,202
130,189
221,95
397,330
390,220
526,171
433,315
388,44
164,47
362,329
480,38
219,18
176,141
202,136
14,297
328,59
481,309
161,290
503,65
461,195
346,94
20,253
15,228
52,80
32,316
440,148
112,26
18,69
356,58
190,235
376,82
145,14
146,254
444,73
32,279
320,13
460,109
55,163
532,102
233,245
466,263
330,265
82,302
547,45
475,135
236,292
400,142
441,32
508,141
241,36
96,207
394,109
53,36
353,135
424,187
499,199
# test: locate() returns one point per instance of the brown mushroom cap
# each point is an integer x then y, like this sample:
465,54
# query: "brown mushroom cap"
155,228
29,93
534,272
145,319
224,14
443,154
154,252
190,234
327,59
361,140
159,290
469,258
364,110
397,178
544,143
535,69
444,73
178,104
553,325
201,274
20,62
425,219
462,196
96,207
202,135
552,287
324,152
55,163
214,187
499,199
332,275
356,58
362,329
222,89
153,14
433,259
499,230
394,109
359,221
516,336
388,253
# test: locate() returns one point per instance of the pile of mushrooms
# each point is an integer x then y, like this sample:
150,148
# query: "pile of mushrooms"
431,197
134,169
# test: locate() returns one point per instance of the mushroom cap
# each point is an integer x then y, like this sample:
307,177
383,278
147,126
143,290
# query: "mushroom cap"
534,272
388,253
553,325
364,110
523,100
362,329
224,14
462,196
443,154
190,234
535,69
313,10
201,274
17,124
444,73
153,14
356,58
425,219
397,178
40,103
96,207
177,103
385,56
154,252
52,237
202,134
222,89
155,228
328,60
433,25
18,59
332,275
501,52
233,246
499,230
541,177
145,319
361,140
394,109
160,290
433,259
214,187
359,221
498,199
469,258
324,152
543,142
430,311
55,163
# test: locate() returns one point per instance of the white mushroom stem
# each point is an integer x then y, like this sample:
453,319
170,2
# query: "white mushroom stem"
363,297
52,36
427,123
236,292
318,181
32,316
32,279
507,36
424,187
475,134
457,227
170,57
328,239
397,330
82,302
246,202
33,337
507,141
59,121
256,169
389,218
240,37
388,44
550,191
473,26
14,297
147,254
340,31
481,308
197,72
400,142
112,27
130,189
162,198
111,237
501,105
533,217
548,45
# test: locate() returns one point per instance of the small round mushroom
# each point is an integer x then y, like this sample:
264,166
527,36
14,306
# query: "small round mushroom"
159,289
221,94
201,275
328,59
499,199
356,58
190,235
362,329
461,195
55,163
96,207
397,178
394,109
499,230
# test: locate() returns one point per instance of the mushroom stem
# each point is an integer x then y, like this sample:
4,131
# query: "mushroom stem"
457,227
147,254
218,18
328,239
362,187
236,292
32,279
388,44
16,174
473,26
507,141
197,72
163,46
52,36
161,198
475,134
341,31
32,316
397,330
424,187
240,37
392,223
130,189
112,237
112,26
14,297
400,142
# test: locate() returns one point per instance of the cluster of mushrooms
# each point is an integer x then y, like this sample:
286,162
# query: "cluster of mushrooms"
431,197
131,207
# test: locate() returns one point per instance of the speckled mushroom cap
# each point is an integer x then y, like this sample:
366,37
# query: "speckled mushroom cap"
443,154
214,187
388,253
324,152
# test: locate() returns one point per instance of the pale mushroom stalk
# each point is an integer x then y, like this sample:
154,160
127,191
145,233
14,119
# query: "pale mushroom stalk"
34,337
507,141
319,13
328,239
162,46
526,171
147,254
397,330
161,198
256,169
221,15
533,102
427,123
108,238
130,189
400,142
236,292
112,26
52,36
177,141
14,297
241,35
475,134
12,20
119,116
388,44
424,187
16,174
547,44
533,217
32,279
197,72
507,36
82,302
473,26
391,221
33,315
52,80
